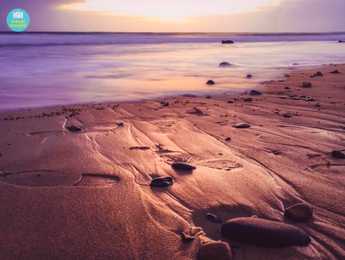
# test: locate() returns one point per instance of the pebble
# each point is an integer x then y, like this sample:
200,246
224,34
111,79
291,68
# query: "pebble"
73,129
210,82
338,154
255,93
215,250
241,125
264,233
306,84
162,182
300,212
228,42
224,64
182,167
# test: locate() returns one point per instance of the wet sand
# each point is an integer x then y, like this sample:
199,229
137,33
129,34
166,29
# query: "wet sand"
75,181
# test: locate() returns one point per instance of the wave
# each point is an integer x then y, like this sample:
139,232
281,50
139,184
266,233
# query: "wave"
67,39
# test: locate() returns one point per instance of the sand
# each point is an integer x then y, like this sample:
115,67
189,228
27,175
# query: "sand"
85,193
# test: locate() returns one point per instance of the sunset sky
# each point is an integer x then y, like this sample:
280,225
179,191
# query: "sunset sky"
181,15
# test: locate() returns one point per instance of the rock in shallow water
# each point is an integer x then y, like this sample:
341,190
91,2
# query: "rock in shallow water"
228,42
224,64
264,233
215,250
300,212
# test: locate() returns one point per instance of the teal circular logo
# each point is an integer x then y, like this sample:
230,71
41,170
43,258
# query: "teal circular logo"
18,20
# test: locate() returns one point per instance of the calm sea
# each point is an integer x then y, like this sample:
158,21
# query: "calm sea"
43,69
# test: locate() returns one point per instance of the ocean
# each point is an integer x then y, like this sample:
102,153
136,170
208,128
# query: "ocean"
45,69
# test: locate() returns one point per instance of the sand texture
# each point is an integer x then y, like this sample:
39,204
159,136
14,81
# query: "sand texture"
76,181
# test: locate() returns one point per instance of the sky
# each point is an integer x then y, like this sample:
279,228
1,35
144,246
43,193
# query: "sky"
181,15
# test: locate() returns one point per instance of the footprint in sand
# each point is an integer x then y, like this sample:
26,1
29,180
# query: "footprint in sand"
47,178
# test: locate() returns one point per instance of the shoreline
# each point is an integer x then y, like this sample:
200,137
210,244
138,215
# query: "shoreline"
80,175
228,92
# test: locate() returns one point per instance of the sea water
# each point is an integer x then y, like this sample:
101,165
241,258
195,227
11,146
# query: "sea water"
44,69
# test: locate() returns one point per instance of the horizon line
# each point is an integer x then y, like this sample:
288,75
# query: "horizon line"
123,32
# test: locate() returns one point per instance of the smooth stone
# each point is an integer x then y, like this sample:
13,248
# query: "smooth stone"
73,129
215,250
255,93
228,42
183,167
338,154
264,233
210,82
306,85
299,212
164,103
224,64
241,125
162,182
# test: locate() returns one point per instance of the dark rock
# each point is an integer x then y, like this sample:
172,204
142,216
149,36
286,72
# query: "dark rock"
213,218
287,115
241,125
338,154
143,148
299,212
162,182
164,103
183,167
74,129
228,42
224,64
341,41
335,72
210,82
197,111
255,93
264,233
186,237
120,124
248,99
249,76
306,84
215,250
228,139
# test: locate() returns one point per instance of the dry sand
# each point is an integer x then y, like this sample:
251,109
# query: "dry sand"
86,194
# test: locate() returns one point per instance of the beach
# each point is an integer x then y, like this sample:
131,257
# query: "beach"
76,181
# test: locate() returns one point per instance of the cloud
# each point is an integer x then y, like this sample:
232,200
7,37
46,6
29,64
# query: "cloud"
284,16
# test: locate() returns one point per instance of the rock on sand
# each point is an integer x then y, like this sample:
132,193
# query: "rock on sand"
264,233
214,250
300,212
